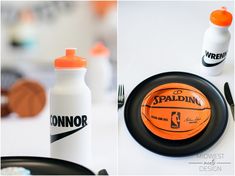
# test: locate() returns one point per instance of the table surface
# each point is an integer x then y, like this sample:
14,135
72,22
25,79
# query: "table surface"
31,137
156,37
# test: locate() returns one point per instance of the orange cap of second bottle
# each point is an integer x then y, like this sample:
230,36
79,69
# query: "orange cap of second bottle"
221,17
70,60
100,50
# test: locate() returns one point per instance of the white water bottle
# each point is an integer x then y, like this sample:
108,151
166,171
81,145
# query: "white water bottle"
99,72
216,42
70,111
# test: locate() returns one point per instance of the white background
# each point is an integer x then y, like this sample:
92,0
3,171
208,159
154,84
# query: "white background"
77,28
155,37
54,36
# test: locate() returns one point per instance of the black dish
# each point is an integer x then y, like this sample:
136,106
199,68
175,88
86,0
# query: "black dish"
45,166
205,139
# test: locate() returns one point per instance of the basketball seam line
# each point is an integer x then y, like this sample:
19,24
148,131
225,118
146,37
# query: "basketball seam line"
36,92
172,107
17,99
31,105
16,110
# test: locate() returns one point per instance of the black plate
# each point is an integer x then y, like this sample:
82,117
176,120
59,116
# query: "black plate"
195,144
45,166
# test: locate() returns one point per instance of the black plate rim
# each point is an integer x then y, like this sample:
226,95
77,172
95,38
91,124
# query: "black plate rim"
44,160
175,73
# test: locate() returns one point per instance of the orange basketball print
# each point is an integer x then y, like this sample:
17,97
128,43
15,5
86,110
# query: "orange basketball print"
175,111
27,98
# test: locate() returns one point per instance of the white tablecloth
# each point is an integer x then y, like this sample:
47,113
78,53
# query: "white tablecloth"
31,136
156,37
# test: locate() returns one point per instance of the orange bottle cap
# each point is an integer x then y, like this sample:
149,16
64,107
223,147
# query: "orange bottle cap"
101,8
70,60
221,17
26,16
100,50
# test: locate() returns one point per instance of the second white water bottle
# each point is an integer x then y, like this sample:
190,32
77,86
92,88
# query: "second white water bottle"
99,75
70,111
216,42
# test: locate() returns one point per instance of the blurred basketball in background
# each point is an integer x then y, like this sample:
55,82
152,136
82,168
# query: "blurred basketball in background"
27,98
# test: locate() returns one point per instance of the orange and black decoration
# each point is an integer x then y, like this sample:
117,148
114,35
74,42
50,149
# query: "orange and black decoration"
101,8
175,111
176,114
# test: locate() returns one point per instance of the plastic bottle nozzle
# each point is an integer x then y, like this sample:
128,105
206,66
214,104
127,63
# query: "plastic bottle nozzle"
70,51
70,60
223,8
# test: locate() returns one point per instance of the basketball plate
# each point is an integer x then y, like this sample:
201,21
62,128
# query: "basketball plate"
175,111
198,142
